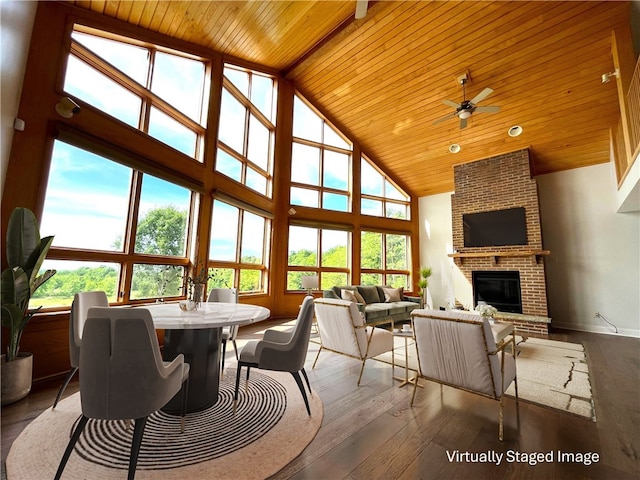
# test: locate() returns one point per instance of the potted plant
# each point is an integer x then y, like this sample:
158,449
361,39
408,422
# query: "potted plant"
26,252
196,283
423,283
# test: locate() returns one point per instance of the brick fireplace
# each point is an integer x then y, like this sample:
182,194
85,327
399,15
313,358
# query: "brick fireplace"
497,183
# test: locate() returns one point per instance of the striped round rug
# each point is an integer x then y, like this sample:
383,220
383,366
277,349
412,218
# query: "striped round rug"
270,427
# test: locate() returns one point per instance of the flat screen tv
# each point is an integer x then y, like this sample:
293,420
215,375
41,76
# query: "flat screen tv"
495,228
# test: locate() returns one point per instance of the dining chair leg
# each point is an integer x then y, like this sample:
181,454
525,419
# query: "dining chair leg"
235,348
70,375
235,392
246,383
304,374
138,432
298,380
72,443
224,352
185,397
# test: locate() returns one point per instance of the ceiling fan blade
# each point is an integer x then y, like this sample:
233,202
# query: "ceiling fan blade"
361,8
463,123
450,103
446,117
488,109
482,95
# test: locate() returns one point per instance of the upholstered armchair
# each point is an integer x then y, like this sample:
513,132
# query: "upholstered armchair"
82,302
122,375
342,330
280,351
458,349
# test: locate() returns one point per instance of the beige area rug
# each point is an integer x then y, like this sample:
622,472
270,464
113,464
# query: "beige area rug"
270,429
550,373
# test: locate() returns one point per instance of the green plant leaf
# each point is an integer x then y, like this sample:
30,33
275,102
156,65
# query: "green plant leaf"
15,287
23,237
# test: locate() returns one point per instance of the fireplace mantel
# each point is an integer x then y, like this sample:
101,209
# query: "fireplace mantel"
534,254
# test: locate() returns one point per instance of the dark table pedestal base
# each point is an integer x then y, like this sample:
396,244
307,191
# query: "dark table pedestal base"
201,350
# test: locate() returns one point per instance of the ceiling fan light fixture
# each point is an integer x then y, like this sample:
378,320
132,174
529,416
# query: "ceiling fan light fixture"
454,148
515,131
464,114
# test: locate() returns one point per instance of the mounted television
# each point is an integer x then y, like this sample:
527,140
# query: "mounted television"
495,228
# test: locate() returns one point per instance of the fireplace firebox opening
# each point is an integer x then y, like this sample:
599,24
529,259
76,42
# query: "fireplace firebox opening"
500,289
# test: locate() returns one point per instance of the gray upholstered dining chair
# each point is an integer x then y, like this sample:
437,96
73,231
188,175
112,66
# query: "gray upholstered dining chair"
229,333
343,330
82,302
122,375
280,351
458,349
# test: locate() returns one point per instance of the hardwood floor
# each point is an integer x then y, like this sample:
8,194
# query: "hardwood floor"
370,432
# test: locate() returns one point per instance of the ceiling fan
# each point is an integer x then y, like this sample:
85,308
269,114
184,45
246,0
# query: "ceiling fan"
361,8
465,108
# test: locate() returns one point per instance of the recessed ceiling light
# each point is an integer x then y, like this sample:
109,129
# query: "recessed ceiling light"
454,148
515,131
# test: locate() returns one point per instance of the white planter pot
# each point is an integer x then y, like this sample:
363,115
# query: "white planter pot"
16,378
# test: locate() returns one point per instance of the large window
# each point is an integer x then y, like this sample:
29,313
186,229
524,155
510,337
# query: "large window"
114,227
315,251
237,251
247,128
385,259
380,197
163,93
320,162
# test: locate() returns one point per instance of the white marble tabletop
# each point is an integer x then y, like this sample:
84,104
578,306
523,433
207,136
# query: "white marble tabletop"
208,315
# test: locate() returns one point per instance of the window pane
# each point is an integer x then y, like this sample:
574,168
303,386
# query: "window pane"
305,164
103,93
130,59
334,248
239,79
232,118
294,280
371,279
228,165
156,281
262,94
334,201
304,197
393,210
306,124
162,218
396,252
393,192
252,238
335,170
87,200
224,232
73,277
171,132
330,279
258,151
303,246
250,281
371,207
220,278
256,181
331,137
397,281
180,82
371,250
372,181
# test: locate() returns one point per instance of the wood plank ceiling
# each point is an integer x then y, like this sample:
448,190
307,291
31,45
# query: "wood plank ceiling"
382,79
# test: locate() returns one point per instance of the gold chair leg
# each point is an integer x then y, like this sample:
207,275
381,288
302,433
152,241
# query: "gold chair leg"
500,435
317,356
361,370
415,387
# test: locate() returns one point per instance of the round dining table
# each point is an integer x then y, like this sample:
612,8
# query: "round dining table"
197,335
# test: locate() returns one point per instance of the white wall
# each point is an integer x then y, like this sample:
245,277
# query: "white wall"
594,264
16,24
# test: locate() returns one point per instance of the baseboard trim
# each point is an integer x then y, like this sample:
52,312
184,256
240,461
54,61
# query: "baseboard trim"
624,332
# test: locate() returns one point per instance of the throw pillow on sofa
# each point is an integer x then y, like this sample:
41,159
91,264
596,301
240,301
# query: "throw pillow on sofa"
352,296
393,294
370,294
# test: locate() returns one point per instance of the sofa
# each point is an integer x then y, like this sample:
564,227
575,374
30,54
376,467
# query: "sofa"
380,304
